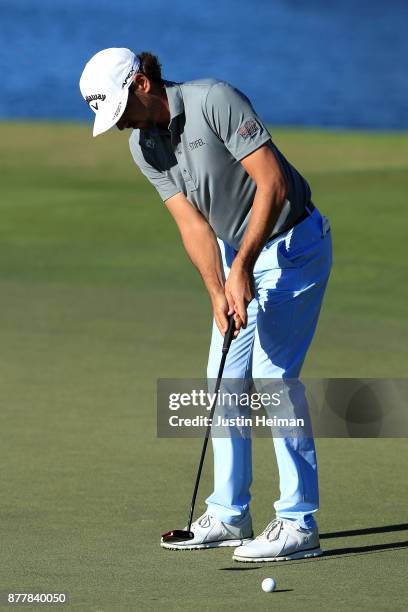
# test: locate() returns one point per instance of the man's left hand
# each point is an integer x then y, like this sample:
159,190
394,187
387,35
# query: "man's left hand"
239,291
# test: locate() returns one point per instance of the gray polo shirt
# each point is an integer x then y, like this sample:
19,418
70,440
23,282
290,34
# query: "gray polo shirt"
212,127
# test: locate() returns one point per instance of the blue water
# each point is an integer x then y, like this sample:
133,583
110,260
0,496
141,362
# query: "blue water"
339,63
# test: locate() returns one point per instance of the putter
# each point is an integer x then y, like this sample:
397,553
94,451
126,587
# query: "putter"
179,535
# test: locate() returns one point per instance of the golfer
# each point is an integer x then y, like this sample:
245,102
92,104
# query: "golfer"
263,249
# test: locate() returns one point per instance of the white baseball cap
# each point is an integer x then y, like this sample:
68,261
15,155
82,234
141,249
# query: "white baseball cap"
105,83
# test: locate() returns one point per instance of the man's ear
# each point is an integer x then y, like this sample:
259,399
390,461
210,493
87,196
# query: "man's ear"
141,82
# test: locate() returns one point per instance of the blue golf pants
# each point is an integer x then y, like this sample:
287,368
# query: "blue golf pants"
291,275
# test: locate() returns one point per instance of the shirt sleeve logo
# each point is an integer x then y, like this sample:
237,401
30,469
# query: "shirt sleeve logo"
249,128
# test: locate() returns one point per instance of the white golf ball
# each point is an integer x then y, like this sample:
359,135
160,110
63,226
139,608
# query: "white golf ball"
268,585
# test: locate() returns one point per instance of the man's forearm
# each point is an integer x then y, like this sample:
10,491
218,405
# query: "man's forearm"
266,208
202,247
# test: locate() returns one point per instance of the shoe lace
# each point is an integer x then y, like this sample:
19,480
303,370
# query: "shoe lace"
272,531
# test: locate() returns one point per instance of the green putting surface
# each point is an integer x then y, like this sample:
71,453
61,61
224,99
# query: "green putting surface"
98,300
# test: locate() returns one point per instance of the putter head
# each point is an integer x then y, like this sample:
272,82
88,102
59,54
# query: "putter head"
177,535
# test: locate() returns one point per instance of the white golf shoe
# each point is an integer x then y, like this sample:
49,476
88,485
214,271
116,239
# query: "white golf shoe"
281,540
209,532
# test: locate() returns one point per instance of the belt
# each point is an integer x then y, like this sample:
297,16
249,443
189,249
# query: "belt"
305,214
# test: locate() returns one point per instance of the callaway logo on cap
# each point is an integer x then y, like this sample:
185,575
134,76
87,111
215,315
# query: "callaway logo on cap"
105,83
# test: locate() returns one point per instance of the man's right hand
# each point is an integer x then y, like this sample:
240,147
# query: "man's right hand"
221,311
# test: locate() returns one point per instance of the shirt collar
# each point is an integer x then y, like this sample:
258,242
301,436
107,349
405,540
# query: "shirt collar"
176,103
175,99
176,108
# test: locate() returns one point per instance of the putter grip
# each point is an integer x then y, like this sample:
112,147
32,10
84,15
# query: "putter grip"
229,334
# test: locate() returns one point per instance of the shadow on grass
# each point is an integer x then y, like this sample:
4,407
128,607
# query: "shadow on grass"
370,548
238,569
364,549
365,531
